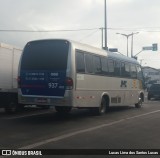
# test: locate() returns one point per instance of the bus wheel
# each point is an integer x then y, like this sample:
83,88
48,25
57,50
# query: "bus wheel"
139,104
102,108
149,98
11,108
63,109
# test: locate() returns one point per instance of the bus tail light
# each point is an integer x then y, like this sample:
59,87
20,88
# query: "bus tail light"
69,83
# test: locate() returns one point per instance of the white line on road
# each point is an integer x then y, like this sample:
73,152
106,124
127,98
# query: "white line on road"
83,131
28,115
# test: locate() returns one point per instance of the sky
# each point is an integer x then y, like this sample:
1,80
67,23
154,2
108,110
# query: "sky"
81,20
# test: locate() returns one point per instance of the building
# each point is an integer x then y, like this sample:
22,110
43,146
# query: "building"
151,75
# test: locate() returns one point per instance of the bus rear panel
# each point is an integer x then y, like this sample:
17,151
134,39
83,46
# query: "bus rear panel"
43,76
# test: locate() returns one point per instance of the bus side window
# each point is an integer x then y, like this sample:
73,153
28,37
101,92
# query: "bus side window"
80,62
89,63
140,76
104,66
111,67
133,71
97,65
125,70
117,68
139,73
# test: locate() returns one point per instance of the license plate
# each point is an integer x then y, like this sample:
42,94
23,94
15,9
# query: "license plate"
41,100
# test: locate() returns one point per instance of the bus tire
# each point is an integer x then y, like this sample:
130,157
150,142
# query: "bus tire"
139,104
63,109
101,110
11,108
149,98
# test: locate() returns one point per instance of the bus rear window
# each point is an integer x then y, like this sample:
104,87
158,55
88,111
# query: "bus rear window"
45,55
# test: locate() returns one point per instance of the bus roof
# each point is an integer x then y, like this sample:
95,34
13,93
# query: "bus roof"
95,50
98,51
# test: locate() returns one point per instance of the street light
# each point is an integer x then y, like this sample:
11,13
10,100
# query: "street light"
127,36
132,43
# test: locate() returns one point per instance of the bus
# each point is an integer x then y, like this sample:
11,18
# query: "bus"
67,74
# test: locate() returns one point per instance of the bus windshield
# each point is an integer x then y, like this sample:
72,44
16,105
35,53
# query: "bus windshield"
45,55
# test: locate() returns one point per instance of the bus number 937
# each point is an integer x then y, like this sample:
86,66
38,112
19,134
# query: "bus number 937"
52,85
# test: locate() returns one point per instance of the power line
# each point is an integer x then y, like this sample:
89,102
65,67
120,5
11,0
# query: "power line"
145,29
140,29
69,30
90,34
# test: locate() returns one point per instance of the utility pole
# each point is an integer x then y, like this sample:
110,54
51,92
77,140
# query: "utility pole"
132,43
105,23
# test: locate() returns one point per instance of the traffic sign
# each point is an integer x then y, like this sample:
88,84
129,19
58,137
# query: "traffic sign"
154,47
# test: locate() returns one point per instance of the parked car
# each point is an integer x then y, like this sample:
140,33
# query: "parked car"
154,91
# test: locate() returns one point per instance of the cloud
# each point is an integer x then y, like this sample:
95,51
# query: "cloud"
74,14
119,1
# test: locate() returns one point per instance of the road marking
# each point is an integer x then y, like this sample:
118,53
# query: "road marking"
142,115
28,115
69,135
83,131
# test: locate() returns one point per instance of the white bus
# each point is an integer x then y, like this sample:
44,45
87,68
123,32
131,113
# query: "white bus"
67,75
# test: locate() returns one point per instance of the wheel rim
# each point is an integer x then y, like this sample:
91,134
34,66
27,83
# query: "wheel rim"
103,107
140,102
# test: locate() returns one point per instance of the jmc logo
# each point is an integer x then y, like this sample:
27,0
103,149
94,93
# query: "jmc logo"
123,83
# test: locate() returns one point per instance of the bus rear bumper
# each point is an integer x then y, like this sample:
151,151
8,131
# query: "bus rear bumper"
44,101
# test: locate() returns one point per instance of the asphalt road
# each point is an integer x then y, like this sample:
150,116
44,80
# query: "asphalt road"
120,128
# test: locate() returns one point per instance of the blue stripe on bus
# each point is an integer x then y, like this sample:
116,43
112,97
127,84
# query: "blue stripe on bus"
45,83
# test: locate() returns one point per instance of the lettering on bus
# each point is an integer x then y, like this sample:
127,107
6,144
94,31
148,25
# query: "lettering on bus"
52,85
34,76
54,74
123,84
